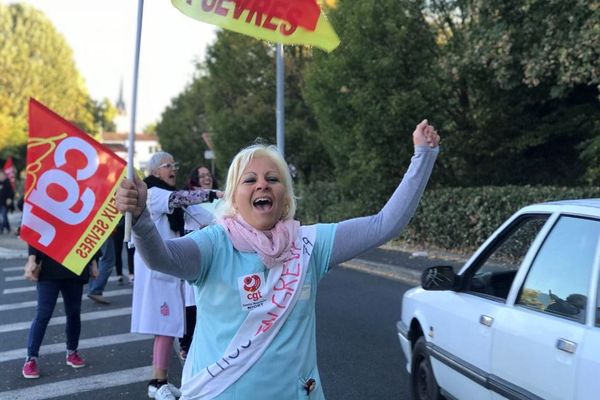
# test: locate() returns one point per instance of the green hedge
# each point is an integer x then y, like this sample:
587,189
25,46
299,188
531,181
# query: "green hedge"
453,219
461,219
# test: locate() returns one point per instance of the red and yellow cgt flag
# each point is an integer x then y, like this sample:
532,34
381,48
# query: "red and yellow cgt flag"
281,21
69,204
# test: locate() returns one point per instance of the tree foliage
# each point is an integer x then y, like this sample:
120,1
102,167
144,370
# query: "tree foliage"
240,102
35,61
512,85
240,94
370,93
182,125
104,114
521,79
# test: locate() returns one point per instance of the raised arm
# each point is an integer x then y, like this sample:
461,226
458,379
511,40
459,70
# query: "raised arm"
178,257
357,235
182,198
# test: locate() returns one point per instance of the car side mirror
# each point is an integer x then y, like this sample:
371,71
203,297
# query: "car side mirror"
439,278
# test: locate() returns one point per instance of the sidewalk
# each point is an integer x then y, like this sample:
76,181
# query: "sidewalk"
10,244
402,263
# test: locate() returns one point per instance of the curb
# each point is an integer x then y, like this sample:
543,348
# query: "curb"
394,272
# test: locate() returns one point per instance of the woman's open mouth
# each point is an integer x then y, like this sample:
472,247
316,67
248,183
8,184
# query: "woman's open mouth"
263,203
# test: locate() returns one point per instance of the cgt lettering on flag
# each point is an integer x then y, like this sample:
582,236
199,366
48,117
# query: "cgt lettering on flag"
265,13
68,209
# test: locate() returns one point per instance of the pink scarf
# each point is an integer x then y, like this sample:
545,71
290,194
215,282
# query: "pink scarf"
272,246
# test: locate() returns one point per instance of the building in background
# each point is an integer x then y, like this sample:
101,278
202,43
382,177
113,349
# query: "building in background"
146,144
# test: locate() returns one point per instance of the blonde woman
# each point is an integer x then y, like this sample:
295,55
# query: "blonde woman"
255,273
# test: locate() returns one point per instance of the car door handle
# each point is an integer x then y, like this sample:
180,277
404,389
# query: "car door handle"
566,345
486,320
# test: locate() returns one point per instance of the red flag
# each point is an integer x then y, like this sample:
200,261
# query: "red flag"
69,205
9,170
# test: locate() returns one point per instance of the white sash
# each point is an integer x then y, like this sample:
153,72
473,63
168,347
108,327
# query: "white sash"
260,327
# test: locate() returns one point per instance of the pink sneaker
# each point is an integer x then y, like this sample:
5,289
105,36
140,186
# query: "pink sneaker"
74,360
30,369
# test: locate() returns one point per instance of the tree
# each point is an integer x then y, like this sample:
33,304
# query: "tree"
240,102
240,94
182,125
370,93
104,113
35,61
521,83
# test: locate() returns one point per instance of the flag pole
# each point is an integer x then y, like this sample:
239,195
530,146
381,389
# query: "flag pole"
280,115
131,140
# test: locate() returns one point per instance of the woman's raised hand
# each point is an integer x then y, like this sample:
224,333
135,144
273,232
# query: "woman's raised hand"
131,196
425,135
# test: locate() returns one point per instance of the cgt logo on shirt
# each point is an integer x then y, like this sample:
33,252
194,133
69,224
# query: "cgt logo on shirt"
252,284
251,295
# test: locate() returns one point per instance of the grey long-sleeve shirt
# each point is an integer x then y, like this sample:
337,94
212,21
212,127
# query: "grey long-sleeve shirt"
181,257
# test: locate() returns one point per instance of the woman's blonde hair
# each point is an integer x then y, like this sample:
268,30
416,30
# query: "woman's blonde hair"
237,167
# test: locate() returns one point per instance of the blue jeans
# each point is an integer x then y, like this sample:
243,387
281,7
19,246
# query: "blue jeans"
4,224
47,291
105,267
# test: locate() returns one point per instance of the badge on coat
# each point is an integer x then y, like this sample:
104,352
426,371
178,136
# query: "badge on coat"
252,290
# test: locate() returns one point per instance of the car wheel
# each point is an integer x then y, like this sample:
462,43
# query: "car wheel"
423,385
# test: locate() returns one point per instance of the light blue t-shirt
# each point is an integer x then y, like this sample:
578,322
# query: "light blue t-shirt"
223,304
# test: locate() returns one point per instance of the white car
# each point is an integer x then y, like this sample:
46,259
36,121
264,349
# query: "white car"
520,320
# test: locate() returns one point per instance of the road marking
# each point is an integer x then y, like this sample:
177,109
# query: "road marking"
7,254
73,386
13,269
14,278
28,304
23,289
90,343
17,326
19,290
21,277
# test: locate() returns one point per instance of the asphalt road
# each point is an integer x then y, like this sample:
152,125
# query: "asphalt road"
357,308
359,353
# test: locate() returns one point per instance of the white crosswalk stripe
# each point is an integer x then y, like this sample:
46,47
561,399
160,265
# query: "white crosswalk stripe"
31,285
27,304
17,326
7,254
79,385
21,277
19,290
14,269
83,344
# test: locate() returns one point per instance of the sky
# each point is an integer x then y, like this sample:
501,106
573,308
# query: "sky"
102,36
